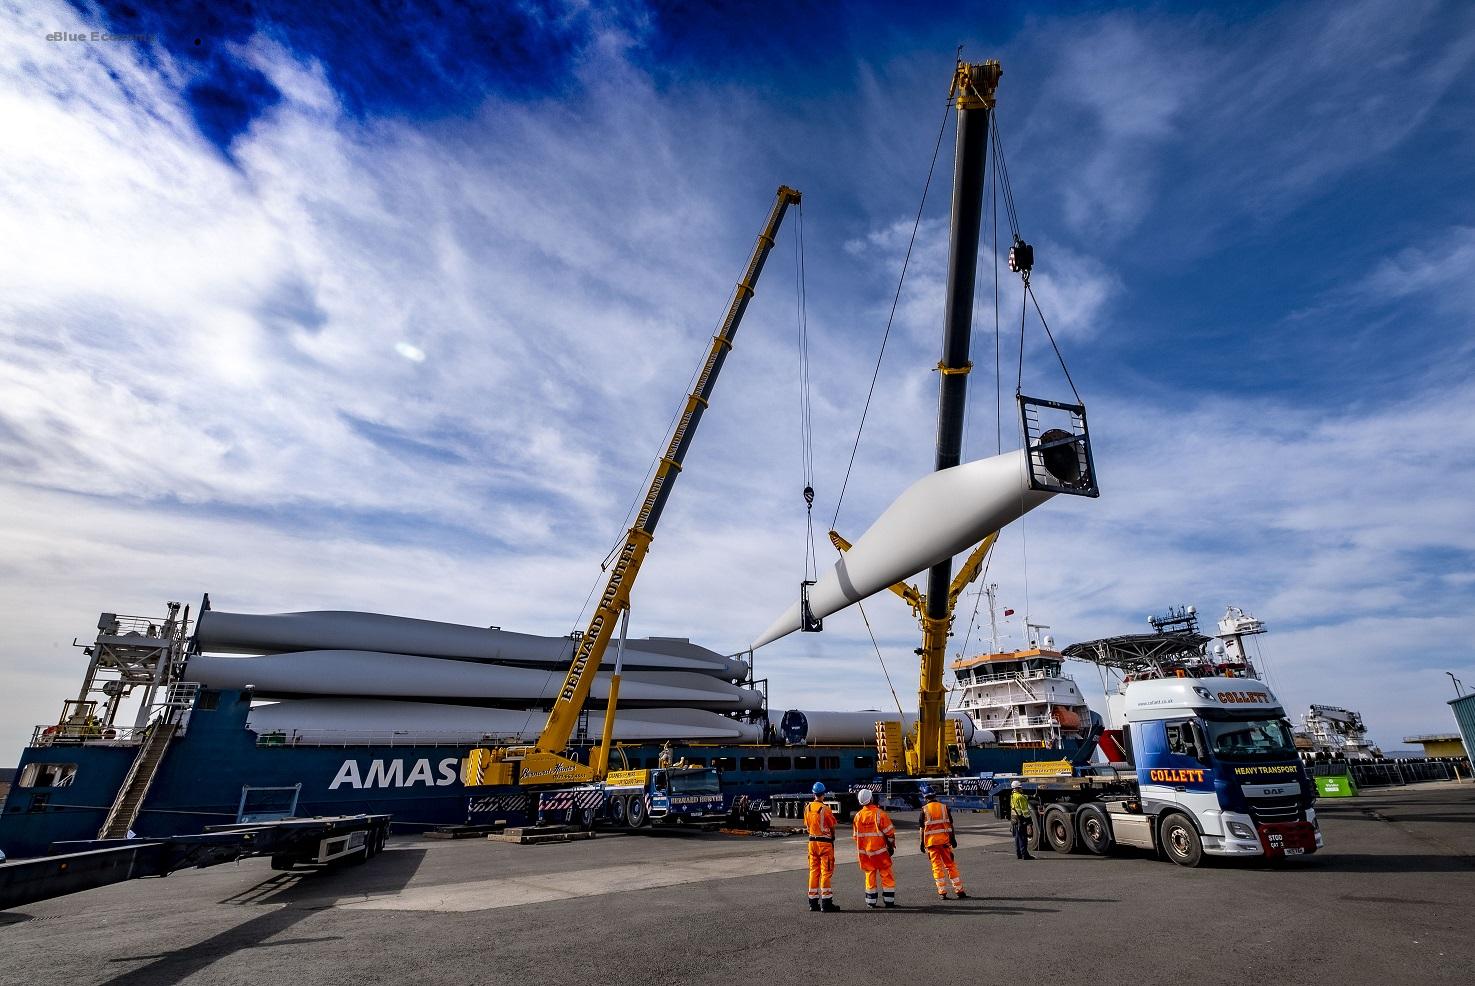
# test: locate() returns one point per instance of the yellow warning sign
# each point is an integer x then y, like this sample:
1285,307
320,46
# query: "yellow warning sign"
1046,768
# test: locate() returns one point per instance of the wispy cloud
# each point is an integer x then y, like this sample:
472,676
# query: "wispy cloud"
418,365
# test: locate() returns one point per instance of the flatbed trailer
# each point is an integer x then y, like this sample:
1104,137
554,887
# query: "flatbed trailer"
290,842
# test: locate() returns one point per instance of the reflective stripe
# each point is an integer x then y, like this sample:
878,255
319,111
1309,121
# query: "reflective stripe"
819,820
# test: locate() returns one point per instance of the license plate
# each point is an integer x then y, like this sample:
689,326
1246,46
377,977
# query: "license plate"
1294,852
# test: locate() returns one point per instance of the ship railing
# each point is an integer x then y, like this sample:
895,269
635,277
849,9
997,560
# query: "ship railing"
86,734
1010,722
141,626
994,679
384,737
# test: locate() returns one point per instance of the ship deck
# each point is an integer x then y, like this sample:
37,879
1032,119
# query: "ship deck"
1387,899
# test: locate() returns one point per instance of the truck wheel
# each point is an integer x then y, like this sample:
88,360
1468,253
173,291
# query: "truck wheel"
283,861
1037,840
617,812
585,819
1094,830
1060,829
1181,842
635,811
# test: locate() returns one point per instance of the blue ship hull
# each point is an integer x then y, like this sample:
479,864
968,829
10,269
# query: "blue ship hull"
202,777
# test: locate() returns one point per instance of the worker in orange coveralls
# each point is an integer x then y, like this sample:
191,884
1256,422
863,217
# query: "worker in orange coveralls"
819,822
939,839
875,843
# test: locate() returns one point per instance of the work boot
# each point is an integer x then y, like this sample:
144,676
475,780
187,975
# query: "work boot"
890,903
942,896
829,905
814,905
962,895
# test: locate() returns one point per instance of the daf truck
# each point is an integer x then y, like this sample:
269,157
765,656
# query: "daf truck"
1211,770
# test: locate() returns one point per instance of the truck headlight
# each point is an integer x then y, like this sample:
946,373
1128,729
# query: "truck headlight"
1241,831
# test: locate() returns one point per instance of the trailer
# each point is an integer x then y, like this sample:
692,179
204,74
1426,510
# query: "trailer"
678,795
87,865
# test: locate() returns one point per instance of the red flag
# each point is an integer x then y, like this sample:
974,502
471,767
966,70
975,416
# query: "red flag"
1008,612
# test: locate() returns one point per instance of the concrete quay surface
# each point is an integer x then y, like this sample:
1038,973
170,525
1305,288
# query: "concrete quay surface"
1389,899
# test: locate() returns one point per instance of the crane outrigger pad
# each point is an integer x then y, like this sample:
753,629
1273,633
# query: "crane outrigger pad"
1059,446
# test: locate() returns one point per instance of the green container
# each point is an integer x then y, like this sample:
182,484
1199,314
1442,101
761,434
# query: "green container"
1335,786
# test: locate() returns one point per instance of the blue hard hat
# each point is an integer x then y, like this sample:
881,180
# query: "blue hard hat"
818,788
925,791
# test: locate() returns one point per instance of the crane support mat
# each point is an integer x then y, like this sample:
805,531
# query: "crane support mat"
465,831
535,836
99,863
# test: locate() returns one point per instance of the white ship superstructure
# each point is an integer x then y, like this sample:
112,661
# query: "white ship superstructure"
1023,697
1337,732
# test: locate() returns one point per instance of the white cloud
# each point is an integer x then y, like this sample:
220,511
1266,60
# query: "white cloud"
207,383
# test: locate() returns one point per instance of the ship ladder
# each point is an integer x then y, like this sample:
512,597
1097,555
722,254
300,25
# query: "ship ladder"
136,785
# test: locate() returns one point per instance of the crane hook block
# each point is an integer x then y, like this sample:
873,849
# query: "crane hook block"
1021,257
809,495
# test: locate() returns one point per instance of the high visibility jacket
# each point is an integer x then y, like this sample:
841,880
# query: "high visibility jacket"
936,824
873,831
1019,805
819,821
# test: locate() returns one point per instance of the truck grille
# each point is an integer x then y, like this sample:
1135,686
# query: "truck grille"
1275,810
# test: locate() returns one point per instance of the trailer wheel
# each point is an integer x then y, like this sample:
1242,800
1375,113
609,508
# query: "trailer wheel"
1094,830
1060,829
1037,840
1181,842
283,861
635,811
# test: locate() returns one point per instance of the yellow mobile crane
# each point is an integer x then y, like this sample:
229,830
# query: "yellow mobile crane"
546,761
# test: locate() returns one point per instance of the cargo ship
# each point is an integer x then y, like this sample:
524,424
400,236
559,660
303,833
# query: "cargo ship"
179,726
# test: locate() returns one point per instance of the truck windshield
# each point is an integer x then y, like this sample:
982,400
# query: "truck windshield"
1254,739
694,782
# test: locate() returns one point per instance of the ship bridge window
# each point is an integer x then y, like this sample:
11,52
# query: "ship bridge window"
829,763
865,763
209,700
804,763
752,763
725,763
47,775
780,763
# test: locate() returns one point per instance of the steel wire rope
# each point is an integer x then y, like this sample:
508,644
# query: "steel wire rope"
896,298
894,697
806,419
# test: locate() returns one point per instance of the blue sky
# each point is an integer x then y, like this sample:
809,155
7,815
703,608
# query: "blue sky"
389,311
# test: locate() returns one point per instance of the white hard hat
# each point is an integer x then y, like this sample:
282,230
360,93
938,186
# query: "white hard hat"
1016,785
865,796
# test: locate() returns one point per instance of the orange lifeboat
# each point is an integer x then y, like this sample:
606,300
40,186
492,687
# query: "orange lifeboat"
1068,718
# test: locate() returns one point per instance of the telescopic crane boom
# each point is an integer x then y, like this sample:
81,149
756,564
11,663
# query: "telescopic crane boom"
544,762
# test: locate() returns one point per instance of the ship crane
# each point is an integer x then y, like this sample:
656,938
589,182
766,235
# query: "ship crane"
545,762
